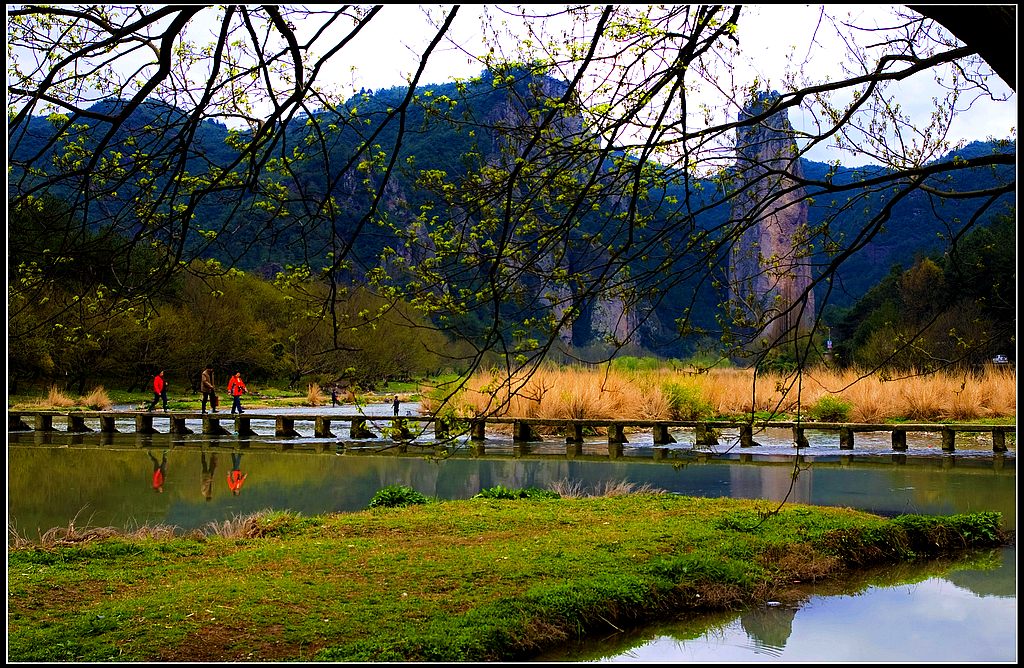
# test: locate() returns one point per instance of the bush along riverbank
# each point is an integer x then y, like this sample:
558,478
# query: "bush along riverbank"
484,579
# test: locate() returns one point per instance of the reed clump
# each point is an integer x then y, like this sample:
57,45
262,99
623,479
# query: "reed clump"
315,395
97,399
674,394
57,398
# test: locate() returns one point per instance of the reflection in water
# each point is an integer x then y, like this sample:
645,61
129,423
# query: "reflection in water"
769,627
881,618
236,478
963,614
159,471
49,486
206,480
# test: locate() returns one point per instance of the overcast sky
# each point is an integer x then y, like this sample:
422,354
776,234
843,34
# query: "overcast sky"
772,38
768,35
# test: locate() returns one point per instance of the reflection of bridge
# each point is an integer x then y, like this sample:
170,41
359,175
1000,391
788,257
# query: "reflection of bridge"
524,430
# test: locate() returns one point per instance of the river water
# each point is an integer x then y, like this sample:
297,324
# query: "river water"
962,611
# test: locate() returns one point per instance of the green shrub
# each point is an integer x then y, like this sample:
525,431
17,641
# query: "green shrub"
685,402
500,492
830,408
397,496
628,363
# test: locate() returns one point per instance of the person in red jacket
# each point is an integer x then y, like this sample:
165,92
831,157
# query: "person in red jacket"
236,388
159,391
236,477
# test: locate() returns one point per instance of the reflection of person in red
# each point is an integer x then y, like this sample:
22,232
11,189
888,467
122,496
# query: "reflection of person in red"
159,470
236,477
206,481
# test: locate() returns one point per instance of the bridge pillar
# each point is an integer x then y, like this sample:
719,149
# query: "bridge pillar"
144,425
799,440
107,425
285,426
322,427
242,426
476,429
212,427
845,438
948,440
360,430
521,432
400,430
15,423
899,440
998,441
441,429
178,426
44,422
661,435
704,435
77,423
747,436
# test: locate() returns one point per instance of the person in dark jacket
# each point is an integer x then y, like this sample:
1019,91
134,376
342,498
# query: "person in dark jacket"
206,479
206,384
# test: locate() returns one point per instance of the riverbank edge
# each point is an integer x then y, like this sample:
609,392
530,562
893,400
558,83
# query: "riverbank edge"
472,580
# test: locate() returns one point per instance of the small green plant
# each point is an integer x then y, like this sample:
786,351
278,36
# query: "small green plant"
500,492
397,496
830,408
631,364
685,402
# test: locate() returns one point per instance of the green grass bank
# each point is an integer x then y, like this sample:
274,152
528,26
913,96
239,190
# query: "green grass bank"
472,580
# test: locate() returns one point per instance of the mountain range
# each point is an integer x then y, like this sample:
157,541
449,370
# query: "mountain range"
918,225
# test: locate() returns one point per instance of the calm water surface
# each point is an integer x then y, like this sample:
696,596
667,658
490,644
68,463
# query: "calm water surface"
962,612
966,613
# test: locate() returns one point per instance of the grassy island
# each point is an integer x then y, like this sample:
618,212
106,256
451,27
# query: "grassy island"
482,579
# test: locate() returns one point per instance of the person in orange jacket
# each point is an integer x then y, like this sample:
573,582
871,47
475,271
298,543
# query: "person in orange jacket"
236,388
159,391
236,477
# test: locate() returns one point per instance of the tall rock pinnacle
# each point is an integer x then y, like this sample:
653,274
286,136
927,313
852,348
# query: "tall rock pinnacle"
770,263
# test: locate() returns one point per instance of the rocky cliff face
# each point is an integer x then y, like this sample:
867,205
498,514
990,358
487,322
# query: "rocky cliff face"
605,316
770,264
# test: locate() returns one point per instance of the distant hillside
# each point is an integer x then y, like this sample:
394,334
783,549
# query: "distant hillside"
916,225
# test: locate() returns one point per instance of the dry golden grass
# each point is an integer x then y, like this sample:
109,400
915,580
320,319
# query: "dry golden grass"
239,526
315,395
97,400
574,489
586,393
58,399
